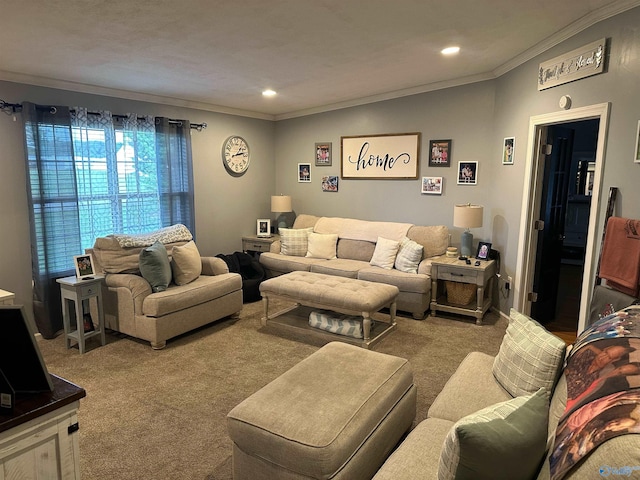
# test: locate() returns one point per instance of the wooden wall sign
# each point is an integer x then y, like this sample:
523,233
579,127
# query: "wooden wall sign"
390,156
579,63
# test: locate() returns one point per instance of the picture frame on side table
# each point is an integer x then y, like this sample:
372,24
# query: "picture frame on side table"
323,154
484,249
304,172
84,266
431,185
508,148
439,153
263,227
467,173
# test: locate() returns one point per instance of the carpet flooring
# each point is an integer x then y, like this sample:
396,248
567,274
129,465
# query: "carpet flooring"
161,414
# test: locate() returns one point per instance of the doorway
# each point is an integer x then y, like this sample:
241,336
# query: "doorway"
532,205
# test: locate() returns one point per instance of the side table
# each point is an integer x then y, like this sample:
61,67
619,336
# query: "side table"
6,298
253,243
454,270
75,290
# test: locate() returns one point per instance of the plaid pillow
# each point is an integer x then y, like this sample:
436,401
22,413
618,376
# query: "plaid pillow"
294,241
409,256
530,357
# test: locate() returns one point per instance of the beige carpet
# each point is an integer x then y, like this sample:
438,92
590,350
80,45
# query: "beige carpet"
161,414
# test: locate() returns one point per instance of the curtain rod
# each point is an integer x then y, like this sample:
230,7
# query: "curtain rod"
11,108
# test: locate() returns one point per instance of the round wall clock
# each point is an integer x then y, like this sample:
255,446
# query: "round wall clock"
235,155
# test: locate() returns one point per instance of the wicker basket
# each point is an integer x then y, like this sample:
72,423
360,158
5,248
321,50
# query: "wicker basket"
460,293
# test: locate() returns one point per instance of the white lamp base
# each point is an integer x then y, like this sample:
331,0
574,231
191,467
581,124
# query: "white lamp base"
466,242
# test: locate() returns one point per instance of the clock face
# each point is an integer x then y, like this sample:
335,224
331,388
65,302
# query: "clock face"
235,155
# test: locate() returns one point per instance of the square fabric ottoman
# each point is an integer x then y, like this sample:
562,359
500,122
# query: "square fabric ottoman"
335,415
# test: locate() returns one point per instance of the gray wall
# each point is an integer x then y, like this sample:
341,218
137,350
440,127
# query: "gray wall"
226,207
476,117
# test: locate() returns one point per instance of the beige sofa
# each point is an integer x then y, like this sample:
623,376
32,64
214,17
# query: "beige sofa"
355,248
464,428
132,308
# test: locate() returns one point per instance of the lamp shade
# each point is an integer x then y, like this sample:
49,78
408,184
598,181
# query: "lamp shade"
281,203
467,216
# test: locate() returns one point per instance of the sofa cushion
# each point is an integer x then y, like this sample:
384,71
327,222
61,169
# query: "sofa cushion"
355,249
294,241
322,246
434,239
339,267
155,267
409,256
474,374
361,229
406,282
276,262
384,255
185,263
529,358
503,441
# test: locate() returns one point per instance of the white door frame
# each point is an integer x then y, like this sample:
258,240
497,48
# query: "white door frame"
527,241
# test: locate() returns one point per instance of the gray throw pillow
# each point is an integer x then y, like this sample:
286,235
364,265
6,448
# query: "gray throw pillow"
530,357
501,442
155,267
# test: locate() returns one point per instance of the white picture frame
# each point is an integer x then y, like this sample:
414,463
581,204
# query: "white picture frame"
467,173
431,185
263,227
304,172
508,150
84,266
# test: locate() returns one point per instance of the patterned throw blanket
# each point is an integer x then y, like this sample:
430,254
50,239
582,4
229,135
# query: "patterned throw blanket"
173,233
603,389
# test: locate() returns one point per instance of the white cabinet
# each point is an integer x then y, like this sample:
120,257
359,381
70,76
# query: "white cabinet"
42,446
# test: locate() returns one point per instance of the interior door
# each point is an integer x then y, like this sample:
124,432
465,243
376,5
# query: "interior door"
553,207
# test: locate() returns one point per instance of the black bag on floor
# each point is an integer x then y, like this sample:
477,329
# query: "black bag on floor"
250,270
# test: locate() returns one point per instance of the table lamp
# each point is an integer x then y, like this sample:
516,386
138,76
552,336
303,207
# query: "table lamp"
467,216
281,204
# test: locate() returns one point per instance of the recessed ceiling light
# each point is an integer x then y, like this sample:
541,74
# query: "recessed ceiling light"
269,93
450,50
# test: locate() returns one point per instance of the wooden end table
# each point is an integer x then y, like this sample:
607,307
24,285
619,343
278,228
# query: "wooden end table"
455,270
253,243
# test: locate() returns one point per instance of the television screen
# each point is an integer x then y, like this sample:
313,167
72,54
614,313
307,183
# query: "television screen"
20,357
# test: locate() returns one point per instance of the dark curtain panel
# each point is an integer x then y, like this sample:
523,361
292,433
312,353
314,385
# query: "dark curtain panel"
53,198
175,172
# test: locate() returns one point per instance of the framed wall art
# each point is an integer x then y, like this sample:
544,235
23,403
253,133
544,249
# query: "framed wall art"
508,148
330,183
388,156
432,185
323,154
439,153
304,172
467,173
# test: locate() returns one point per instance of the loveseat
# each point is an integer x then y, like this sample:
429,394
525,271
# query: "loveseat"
398,254
493,420
144,300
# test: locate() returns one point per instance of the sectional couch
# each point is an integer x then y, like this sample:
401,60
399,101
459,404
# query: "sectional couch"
493,419
398,254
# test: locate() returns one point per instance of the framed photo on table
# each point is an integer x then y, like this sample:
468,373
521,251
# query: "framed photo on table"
484,248
84,266
263,227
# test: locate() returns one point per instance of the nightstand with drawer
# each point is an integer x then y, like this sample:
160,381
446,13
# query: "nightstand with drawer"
253,243
458,272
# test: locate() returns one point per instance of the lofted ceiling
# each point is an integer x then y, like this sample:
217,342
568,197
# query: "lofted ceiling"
319,55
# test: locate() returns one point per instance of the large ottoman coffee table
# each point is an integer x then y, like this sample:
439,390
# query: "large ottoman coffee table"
339,294
336,415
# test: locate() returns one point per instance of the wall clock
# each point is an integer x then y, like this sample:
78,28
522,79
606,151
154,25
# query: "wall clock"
235,155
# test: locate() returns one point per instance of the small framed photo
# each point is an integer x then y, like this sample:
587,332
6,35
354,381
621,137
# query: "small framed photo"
304,172
508,148
84,266
467,173
439,153
484,248
263,227
637,155
330,183
323,154
432,185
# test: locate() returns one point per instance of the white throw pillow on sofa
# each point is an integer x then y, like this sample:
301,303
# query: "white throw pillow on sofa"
322,245
385,253
409,256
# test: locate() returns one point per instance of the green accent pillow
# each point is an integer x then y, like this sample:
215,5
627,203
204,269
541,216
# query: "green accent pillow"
155,267
505,441
530,357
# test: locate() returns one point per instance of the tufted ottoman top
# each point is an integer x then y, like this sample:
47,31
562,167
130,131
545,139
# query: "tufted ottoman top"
331,291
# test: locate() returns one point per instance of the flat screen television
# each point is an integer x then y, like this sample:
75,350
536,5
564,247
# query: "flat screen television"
21,361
